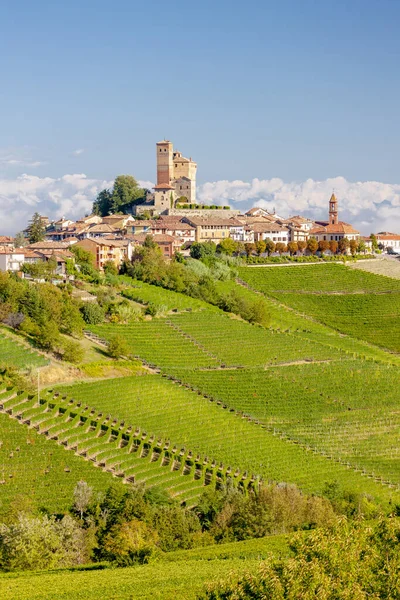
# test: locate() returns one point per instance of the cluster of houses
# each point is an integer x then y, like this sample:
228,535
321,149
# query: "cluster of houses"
114,238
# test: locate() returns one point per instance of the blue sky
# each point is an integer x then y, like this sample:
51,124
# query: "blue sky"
275,89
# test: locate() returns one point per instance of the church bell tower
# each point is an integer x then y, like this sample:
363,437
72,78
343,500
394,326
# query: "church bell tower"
333,210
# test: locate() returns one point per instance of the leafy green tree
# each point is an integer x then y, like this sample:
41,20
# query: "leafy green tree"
110,268
260,247
36,229
92,313
49,336
118,347
41,543
176,527
72,351
375,245
103,203
362,247
227,246
269,246
312,245
200,250
130,543
348,560
125,192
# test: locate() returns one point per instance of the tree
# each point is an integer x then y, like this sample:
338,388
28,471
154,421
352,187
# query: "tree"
118,347
202,249
323,246
343,245
41,543
92,313
354,560
293,248
82,496
312,245
36,229
301,245
260,247
126,191
362,247
227,246
249,248
72,351
269,246
375,246
333,246
110,268
102,204
48,337
130,543
281,247
20,240
353,247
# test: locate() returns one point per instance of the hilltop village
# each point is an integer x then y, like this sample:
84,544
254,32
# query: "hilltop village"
175,221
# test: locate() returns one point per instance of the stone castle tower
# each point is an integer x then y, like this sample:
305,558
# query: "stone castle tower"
333,211
176,176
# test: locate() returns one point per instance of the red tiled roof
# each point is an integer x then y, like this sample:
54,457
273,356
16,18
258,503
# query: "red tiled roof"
338,228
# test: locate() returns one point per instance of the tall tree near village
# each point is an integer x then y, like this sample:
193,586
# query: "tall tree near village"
125,193
36,229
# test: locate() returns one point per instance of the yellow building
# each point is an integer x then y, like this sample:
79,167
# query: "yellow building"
210,230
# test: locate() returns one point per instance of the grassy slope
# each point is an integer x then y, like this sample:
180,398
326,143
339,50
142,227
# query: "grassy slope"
177,576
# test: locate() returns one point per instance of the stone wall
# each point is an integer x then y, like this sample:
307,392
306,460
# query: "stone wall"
206,213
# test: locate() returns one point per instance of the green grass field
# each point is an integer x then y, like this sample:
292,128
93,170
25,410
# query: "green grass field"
319,278
177,575
15,354
362,305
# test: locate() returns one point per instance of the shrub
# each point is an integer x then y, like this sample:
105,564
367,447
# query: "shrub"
118,347
92,313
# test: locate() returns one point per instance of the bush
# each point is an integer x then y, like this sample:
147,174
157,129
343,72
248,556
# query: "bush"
41,543
92,313
118,347
72,351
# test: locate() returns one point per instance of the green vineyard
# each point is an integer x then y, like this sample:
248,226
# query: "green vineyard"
15,354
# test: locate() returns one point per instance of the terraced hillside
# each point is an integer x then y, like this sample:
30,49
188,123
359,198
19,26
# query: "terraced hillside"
33,466
361,304
298,402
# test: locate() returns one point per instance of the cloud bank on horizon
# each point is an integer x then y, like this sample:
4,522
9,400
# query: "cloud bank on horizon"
369,206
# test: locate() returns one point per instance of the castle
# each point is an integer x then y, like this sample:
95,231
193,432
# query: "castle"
176,180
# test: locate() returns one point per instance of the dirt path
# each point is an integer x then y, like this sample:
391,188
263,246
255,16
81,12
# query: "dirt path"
386,265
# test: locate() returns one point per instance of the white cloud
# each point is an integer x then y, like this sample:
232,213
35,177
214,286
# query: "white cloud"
70,195
369,206
15,162
78,151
